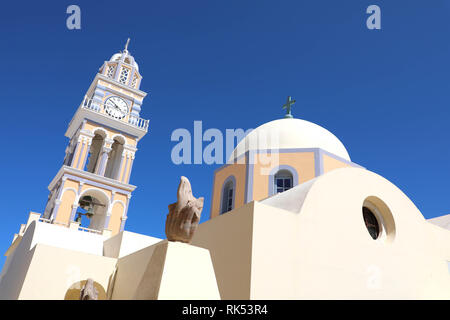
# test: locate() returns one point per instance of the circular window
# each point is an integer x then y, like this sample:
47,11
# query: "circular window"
371,222
378,219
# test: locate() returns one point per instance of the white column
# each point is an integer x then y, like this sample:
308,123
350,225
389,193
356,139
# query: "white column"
72,164
131,167
103,160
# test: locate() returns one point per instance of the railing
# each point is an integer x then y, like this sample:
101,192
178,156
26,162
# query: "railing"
60,223
75,225
89,230
132,120
45,220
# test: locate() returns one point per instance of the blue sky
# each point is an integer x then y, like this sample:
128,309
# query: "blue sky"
384,93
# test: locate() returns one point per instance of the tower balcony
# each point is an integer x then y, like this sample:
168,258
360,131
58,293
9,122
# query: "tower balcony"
130,119
94,111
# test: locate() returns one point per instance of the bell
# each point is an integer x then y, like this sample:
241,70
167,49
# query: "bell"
90,212
86,202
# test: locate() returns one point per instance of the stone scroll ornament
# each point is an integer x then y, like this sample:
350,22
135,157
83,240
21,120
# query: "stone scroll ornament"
89,292
184,215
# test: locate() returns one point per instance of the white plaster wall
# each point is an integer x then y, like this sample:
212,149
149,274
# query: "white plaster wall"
318,247
66,238
53,271
326,252
64,249
125,243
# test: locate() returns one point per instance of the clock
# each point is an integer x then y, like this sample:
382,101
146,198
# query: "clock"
116,107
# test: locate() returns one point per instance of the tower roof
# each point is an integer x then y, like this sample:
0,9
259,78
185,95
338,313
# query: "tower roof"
125,57
290,133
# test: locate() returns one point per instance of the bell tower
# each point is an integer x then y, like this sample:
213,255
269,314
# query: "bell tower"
103,136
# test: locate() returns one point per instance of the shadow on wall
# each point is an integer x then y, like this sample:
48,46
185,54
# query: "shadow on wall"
74,292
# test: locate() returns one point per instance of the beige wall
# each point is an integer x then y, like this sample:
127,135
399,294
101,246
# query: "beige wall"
116,217
239,172
302,162
68,198
330,163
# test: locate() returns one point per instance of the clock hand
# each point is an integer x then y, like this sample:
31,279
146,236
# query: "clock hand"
115,105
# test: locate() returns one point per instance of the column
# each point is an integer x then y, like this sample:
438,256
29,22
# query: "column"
72,164
119,171
124,217
58,199
83,144
131,167
103,160
89,142
108,213
74,211
125,166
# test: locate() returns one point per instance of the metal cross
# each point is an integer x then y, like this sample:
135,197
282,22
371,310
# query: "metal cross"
288,106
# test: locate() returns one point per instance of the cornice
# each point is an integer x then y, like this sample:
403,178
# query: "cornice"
91,177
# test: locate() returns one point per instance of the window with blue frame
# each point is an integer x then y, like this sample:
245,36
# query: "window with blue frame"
283,181
227,197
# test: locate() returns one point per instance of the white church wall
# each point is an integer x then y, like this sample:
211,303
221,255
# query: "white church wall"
40,271
275,262
61,237
325,250
229,240
14,271
178,271
130,270
53,279
125,243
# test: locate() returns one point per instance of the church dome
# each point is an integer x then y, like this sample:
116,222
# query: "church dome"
290,133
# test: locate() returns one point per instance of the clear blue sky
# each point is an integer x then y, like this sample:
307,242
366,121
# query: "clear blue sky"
384,93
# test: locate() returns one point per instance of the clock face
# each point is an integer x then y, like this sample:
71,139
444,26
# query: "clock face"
116,107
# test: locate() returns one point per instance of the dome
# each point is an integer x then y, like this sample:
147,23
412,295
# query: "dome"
126,58
290,133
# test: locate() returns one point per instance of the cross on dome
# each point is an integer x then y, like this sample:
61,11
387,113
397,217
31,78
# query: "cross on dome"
288,106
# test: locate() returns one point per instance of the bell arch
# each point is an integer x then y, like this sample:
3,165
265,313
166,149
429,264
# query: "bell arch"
94,205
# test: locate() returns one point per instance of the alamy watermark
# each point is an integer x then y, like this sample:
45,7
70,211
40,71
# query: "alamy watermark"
212,146
73,22
374,20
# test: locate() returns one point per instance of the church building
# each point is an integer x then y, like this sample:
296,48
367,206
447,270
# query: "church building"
292,217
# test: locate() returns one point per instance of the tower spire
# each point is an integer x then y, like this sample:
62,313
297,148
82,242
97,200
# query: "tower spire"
126,46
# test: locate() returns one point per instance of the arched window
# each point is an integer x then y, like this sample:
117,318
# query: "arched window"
228,191
115,158
283,180
94,152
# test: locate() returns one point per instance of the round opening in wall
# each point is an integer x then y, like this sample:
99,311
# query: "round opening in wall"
371,222
378,219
